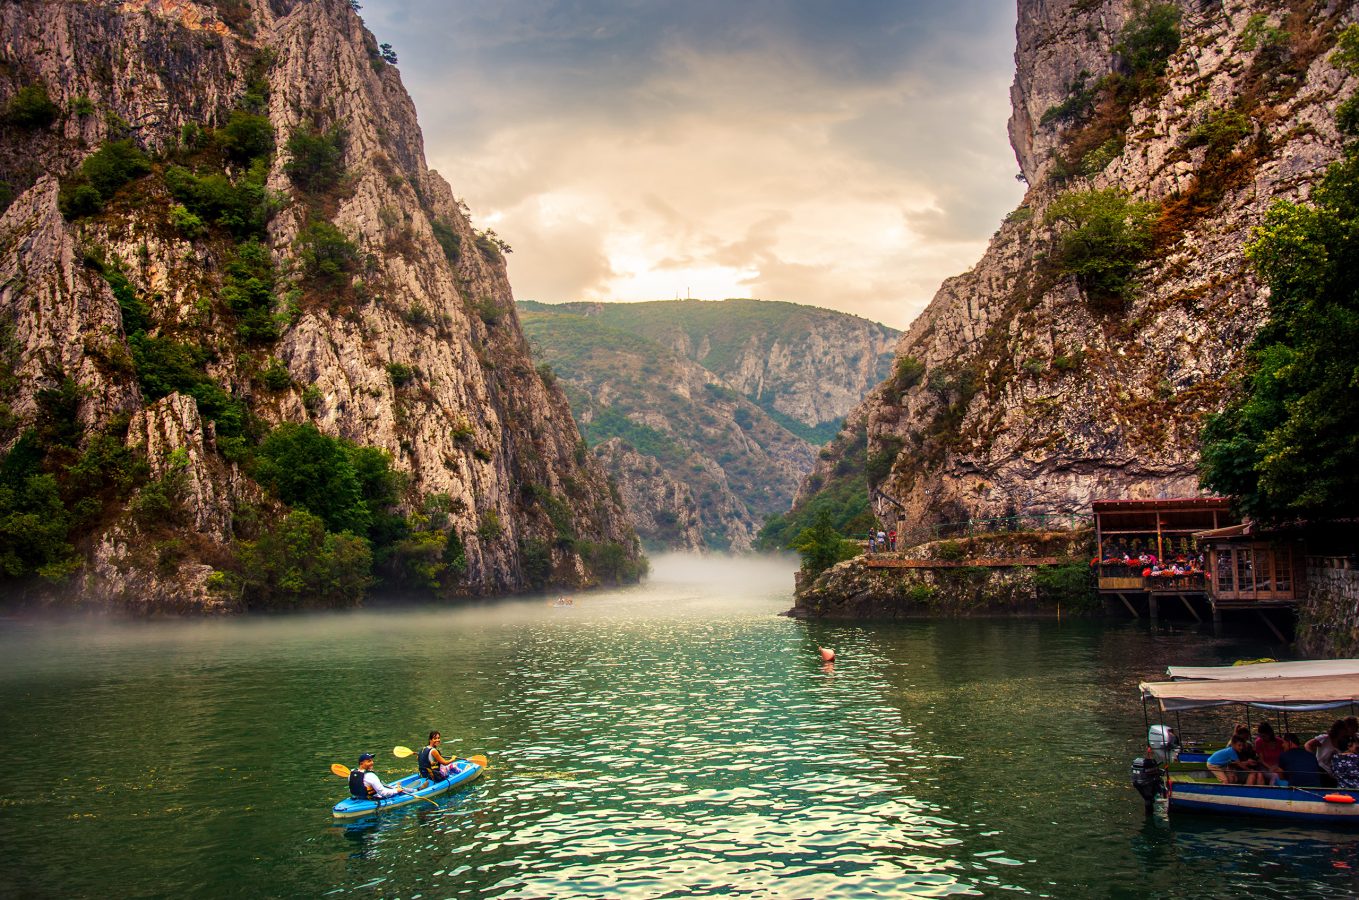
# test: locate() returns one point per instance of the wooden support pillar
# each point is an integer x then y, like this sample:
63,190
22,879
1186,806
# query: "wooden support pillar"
1277,633
1132,609
1151,607
1189,606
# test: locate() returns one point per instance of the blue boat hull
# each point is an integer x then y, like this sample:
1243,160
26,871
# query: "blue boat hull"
1297,804
465,771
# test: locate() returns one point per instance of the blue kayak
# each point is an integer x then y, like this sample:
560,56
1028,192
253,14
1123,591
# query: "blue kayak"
463,771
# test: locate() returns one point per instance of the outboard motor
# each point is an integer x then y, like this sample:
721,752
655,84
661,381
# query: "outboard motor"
1148,778
1163,742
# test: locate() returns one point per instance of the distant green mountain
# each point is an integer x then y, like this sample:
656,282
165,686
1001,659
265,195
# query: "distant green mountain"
804,366
706,413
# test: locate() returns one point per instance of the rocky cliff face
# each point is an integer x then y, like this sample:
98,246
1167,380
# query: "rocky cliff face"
389,321
1021,386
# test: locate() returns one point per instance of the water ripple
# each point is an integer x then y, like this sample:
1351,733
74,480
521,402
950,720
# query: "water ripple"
676,740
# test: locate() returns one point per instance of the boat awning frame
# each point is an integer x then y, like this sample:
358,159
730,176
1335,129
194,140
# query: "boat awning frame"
1299,669
1288,694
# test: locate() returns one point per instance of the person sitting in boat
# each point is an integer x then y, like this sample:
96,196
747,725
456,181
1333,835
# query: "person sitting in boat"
434,766
1345,764
364,783
1227,765
1325,746
1267,746
1250,759
1297,765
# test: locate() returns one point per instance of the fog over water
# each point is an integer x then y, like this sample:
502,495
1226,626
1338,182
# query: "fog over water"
677,738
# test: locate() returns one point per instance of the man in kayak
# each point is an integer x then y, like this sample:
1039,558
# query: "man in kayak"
364,783
433,765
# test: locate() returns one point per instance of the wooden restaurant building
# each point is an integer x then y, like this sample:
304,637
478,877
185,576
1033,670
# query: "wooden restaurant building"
1193,553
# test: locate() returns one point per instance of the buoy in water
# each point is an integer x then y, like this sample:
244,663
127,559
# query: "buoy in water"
827,654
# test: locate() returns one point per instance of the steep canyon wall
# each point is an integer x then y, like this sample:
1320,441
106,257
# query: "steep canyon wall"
1022,387
388,320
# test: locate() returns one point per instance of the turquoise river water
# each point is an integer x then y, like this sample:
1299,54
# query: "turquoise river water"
678,739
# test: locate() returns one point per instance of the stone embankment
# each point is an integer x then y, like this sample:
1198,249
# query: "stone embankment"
1328,618
1027,573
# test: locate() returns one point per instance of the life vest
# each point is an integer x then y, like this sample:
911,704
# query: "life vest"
426,764
358,789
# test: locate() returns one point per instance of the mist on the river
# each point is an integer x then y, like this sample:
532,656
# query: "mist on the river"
678,585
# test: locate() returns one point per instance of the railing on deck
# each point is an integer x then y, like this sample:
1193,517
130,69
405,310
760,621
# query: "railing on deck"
1129,577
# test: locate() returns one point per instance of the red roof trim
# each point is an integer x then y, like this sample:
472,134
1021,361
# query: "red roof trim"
1168,503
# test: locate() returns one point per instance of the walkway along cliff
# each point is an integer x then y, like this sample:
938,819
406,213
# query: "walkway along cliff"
223,254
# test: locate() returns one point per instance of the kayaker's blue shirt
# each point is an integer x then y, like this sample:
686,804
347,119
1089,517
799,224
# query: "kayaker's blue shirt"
1223,757
1300,768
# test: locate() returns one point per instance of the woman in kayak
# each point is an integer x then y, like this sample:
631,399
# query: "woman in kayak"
434,766
364,783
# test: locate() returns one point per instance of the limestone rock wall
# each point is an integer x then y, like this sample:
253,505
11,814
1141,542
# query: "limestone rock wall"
662,509
475,421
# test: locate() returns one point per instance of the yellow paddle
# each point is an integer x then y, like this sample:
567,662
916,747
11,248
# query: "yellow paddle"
344,772
402,752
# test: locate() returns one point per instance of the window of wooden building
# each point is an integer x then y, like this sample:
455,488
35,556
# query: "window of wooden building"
1254,571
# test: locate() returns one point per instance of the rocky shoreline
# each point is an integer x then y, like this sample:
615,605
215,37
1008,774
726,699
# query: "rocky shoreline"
1013,574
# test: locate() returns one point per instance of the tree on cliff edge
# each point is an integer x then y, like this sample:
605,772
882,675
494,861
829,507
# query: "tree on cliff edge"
822,546
1288,448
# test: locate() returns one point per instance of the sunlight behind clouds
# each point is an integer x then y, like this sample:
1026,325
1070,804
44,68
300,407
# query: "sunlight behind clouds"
637,152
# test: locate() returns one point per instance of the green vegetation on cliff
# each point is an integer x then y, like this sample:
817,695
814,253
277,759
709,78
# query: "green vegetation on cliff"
56,483
1288,447
841,497
1105,235
821,545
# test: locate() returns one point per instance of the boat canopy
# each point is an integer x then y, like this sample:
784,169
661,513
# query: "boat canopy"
1302,669
1291,694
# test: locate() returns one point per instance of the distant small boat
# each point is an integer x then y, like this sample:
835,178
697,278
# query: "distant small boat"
1182,774
464,771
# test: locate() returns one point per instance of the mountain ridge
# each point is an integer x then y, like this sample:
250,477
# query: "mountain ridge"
700,464
761,347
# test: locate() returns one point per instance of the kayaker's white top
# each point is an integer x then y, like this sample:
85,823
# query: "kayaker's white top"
376,785
1313,692
1305,668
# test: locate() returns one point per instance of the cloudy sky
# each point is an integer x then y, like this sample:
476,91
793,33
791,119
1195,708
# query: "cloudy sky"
841,154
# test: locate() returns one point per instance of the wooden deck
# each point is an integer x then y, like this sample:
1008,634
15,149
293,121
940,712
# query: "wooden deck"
1234,605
